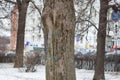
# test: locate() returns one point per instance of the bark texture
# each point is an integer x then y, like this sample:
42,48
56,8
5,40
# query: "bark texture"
58,19
22,10
99,67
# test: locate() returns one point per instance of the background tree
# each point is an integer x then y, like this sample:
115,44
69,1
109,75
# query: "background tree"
86,20
5,13
22,10
5,9
101,36
58,18
22,5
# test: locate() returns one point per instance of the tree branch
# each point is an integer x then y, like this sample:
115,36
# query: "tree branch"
4,17
36,6
11,1
89,22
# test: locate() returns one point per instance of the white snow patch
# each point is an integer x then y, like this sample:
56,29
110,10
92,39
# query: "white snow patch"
7,72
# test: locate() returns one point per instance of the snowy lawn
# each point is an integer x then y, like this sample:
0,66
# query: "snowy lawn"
9,73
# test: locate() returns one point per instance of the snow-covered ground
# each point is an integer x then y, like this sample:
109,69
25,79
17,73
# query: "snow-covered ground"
9,73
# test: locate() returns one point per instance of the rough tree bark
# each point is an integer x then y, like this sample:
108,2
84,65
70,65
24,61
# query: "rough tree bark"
99,68
22,10
58,19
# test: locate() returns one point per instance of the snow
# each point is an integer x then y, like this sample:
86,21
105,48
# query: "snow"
82,74
7,72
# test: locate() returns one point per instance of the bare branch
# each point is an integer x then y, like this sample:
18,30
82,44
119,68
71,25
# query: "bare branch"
4,17
89,2
89,22
11,1
36,6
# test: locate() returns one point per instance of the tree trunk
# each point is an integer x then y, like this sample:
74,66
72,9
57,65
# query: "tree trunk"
99,68
22,8
59,21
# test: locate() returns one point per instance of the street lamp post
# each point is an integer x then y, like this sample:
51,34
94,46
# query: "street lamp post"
116,38
116,62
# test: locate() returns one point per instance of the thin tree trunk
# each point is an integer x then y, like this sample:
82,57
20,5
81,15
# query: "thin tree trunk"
22,8
99,68
59,20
